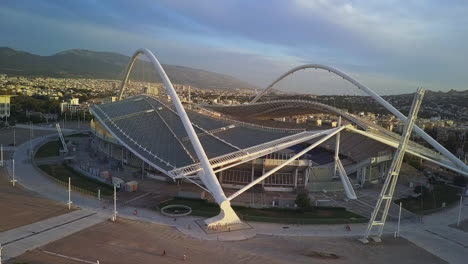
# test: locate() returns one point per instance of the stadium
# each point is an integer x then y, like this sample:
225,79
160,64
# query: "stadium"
211,147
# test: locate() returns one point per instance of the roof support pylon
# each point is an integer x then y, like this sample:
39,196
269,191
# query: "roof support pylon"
386,194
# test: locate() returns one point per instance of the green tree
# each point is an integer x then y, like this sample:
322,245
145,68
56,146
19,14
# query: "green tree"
302,201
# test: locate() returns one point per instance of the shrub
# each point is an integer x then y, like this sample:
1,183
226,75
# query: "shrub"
302,201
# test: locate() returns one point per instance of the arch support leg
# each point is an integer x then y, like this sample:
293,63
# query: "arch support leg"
226,217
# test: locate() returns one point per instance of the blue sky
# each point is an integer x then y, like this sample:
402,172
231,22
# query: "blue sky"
393,46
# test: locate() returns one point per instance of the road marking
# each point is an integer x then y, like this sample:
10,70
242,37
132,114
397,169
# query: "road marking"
67,257
47,229
136,198
446,238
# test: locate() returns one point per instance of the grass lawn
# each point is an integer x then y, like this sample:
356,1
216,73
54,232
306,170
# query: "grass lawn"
315,215
62,172
431,200
49,149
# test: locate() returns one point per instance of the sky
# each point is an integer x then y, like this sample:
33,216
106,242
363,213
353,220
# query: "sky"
392,46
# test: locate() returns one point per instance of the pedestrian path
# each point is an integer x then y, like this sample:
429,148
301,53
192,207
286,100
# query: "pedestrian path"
30,178
434,235
440,244
19,240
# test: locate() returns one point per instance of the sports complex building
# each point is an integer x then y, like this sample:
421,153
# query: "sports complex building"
208,145
239,152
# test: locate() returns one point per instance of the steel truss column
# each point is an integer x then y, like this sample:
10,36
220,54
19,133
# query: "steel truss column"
337,149
388,188
62,139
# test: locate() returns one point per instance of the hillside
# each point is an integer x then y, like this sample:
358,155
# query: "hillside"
103,65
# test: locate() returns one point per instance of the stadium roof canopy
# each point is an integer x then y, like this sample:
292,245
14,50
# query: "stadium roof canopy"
153,131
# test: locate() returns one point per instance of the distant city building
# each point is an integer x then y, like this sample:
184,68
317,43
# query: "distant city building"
151,90
5,105
75,101
72,106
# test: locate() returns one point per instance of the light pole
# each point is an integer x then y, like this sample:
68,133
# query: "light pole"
69,193
114,215
13,180
460,209
1,156
30,137
399,221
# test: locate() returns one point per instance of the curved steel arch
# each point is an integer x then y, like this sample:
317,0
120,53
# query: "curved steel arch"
207,176
130,65
378,98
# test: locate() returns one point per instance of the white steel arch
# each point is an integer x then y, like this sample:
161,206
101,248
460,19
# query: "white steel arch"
460,164
207,175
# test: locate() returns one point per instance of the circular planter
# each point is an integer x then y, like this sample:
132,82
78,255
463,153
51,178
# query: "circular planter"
175,210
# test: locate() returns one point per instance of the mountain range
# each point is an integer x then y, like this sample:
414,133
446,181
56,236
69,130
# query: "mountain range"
79,63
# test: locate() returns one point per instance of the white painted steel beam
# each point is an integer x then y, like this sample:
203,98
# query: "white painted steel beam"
337,149
329,133
348,187
226,161
207,175
413,151
460,164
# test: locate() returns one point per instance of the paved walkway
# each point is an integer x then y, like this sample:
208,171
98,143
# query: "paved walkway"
19,240
50,127
434,235
28,176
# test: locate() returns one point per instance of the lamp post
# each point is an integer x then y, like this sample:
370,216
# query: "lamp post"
399,221
114,215
69,194
13,180
460,209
